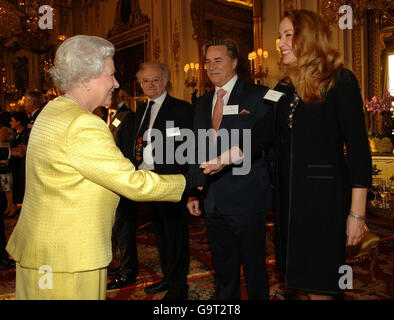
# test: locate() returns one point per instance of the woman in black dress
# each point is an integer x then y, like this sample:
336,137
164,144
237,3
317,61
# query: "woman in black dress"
320,190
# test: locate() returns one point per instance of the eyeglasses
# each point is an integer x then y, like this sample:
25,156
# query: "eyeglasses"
155,81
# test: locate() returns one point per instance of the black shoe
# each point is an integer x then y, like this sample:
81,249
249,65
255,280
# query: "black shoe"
7,263
113,272
121,281
157,287
176,294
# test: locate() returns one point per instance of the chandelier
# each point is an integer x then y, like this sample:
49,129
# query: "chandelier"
258,65
9,20
19,23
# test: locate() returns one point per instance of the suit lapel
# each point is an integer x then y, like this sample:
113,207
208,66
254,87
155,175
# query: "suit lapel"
207,109
163,113
140,113
236,94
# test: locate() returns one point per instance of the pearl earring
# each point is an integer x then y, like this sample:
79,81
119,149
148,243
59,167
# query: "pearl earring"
88,88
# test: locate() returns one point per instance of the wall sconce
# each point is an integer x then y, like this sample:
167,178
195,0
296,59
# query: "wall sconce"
192,74
277,47
257,62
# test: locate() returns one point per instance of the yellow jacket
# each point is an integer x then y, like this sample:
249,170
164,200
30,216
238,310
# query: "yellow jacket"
74,173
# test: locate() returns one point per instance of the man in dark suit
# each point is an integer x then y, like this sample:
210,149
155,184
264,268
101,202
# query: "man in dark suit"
165,116
235,205
122,125
33,101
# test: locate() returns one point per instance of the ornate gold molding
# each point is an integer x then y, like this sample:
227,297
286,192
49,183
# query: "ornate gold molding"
176,45
357,57
157,48
128,16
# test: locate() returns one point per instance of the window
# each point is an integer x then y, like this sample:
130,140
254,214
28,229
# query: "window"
391,74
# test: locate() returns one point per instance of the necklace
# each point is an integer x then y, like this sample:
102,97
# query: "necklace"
74,99
293,108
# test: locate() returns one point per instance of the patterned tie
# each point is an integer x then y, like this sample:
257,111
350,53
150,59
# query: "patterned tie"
218,111
111,115
140,143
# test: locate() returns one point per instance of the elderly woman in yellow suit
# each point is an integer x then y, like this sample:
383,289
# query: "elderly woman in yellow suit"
74,176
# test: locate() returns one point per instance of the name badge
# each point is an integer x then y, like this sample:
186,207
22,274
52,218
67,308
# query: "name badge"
273,95
173,132
116,123
230,109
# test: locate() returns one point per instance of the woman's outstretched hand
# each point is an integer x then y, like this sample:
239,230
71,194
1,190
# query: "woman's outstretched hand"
226,158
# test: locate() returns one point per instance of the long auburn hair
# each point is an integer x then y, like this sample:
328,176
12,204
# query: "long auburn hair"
317,60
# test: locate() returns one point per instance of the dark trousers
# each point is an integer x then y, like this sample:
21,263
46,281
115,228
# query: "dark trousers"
125,236
3,241
170,225
18,177
237,240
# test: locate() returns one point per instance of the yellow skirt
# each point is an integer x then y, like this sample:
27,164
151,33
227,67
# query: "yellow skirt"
41,284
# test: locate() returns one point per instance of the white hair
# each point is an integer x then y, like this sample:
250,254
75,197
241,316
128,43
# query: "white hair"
80,58
164,69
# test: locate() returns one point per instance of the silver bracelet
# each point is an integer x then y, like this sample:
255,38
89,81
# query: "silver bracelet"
362,218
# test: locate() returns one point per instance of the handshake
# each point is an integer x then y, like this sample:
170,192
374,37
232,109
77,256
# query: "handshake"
197,178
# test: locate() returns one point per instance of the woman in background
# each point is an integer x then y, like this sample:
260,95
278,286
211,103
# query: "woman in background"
6,203
6,181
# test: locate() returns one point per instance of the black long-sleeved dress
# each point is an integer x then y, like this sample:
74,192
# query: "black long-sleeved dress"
313,180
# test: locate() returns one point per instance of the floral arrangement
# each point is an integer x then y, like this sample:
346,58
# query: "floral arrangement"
375,108
378,104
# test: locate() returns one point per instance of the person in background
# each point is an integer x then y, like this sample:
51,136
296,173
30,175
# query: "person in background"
6,202
19,122
321,192
169,116
101,112
74,176
33,102
6,181
122,126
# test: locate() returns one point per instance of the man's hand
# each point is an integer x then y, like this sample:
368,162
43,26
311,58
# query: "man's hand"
194,206
226,158
212,167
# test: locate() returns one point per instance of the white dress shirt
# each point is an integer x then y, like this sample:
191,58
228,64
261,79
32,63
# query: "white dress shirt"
228,87
147,162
